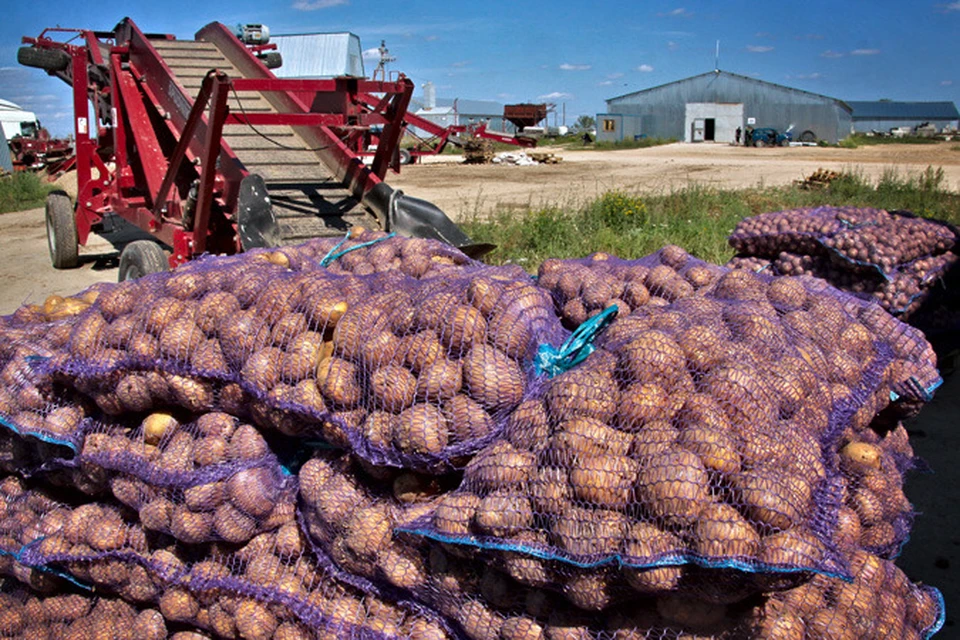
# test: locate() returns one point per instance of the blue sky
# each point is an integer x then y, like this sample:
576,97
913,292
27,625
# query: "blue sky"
568,52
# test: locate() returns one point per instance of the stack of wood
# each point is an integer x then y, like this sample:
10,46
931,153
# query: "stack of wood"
477,151
819,179
544,157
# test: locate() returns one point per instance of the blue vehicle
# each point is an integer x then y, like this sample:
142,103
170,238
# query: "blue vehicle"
770,137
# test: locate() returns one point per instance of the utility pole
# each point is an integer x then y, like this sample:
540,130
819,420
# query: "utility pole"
385,57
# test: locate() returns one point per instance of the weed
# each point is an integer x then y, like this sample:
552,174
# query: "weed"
22,190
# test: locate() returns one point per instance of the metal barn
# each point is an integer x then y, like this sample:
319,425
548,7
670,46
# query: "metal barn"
710,107
884,115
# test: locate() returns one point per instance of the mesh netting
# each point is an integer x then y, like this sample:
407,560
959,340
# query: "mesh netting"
29,616
269,584
404,371
377,437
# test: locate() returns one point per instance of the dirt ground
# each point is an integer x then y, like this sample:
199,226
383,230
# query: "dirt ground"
466,190
933,553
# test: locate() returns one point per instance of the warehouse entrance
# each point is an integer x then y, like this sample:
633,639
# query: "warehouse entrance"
712,121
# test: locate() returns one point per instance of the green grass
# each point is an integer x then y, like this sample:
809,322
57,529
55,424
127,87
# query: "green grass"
22,190
864,140
697,218
642,143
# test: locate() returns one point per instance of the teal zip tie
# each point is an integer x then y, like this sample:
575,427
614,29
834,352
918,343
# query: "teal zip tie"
551,361
18,557
39,436
331,255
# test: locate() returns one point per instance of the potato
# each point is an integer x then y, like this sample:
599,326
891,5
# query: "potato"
861,455
716,449
527,427
156,426
674,486
795,547
394,388
583,391
403,568
478,621
492,378
440,380
500,466
644,402
338,380
830,623
654,439
254,491
772,497
88,336
255,621
604,480
721,532
650,356
421,349
261,371
368,531
503,513
455,512
589,591
645,543
585,533
232,525
303,354
421,429
190,526
460,328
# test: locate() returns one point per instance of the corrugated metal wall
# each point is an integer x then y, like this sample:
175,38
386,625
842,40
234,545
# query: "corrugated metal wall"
663,108
863,126
319,55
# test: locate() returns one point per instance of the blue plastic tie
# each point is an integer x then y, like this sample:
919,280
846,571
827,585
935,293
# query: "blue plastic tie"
551,361
925,394
332,255
18,557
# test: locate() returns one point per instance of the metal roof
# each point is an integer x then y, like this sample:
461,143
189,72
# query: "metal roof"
319,55
736,76
888,110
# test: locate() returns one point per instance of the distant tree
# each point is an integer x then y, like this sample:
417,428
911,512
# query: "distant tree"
585,123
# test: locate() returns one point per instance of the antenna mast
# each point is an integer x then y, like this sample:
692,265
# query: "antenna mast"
385,57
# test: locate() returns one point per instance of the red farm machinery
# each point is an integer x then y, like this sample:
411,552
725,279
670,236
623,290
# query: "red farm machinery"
197,143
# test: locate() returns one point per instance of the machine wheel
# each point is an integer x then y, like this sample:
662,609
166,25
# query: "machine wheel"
784,143
51,60
405,156
141,258
759,143
808,136
62,231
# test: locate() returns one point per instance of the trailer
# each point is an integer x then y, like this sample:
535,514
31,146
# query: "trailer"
198,143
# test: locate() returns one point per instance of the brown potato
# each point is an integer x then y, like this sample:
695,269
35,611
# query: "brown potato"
795,547
674,486
303,354
586,533
440,380
500,466
605,480
645,543
721,532
460,328
394,388
455,512
255,621
421,429
503,513
421,349
491,378
254,491
261,371
338,380
717,450
368,530
583,391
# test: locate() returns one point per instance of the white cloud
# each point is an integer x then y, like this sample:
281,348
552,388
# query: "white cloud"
763,34
645,68
505,96
605,83
460,63
371,54
313,5
947,8
946,83
555,95
831,54
431,38
865,52
566,66
47,97
672,46
676,13
753,48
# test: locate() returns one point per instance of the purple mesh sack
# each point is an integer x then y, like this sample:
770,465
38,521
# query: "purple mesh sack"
29,615
582,288
403,371
267,588
704,432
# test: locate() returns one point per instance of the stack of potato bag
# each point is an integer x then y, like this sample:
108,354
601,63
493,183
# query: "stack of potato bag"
380,438
904,262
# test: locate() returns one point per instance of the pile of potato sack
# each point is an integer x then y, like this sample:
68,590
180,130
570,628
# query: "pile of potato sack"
380,438
904,262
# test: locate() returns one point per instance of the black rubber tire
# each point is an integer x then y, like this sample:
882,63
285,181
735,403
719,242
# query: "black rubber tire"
759,143
62,231
141,258
51,60
406,157
808,136
784,143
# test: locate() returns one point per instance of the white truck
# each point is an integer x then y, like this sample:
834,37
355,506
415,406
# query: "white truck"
17,122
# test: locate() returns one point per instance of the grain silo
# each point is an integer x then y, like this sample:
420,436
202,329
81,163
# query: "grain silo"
711,106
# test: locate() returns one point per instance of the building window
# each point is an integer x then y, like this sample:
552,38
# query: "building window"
609,124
